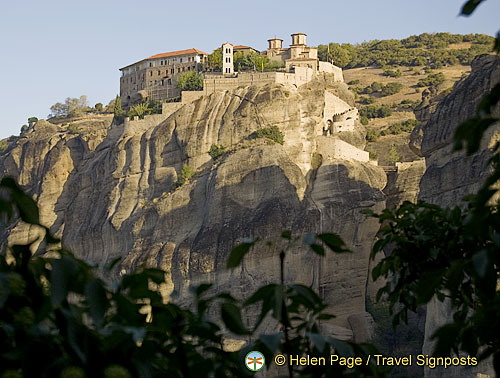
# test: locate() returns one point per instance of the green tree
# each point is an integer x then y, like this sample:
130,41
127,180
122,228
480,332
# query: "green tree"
376,86
239,61
215,60
372,135
273,133
184,175
392,73
433,79
32,121
338,55
190,81
323,52
375,111
139,110
77,106
390,89
117,108
257,61
58,110
402,127
71,107
335,54
368,100
98,107
216,151
393,154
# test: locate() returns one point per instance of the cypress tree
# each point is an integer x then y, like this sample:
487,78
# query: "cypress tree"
118,111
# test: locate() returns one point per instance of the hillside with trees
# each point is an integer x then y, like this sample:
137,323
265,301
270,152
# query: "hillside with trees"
428,49
386,103
389,78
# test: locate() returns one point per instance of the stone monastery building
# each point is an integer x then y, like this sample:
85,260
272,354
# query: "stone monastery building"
156,77
297,55
157,74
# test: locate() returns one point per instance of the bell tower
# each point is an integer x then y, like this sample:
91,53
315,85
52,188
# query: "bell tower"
227,58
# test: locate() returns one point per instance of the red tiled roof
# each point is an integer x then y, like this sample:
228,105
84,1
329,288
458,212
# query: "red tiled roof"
243,47
176,53
169,54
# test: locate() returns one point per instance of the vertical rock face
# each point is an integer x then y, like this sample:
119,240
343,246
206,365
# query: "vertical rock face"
113,194
404,185
449,176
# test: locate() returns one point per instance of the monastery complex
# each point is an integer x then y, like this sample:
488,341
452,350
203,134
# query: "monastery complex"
156,77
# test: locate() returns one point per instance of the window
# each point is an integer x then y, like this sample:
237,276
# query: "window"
181,60
169,82
189,68
178,70
172,71
150,73
150,64
159,72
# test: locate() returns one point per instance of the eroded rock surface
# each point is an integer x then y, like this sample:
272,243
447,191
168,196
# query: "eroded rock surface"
450,176
113,193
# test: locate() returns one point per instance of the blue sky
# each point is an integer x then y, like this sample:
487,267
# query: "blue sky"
55,49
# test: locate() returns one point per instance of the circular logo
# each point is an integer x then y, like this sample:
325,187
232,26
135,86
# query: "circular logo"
254,361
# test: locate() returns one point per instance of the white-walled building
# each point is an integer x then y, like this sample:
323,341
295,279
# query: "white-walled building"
227,58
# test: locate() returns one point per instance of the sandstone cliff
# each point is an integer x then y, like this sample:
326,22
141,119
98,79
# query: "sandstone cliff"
108,190
450,176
